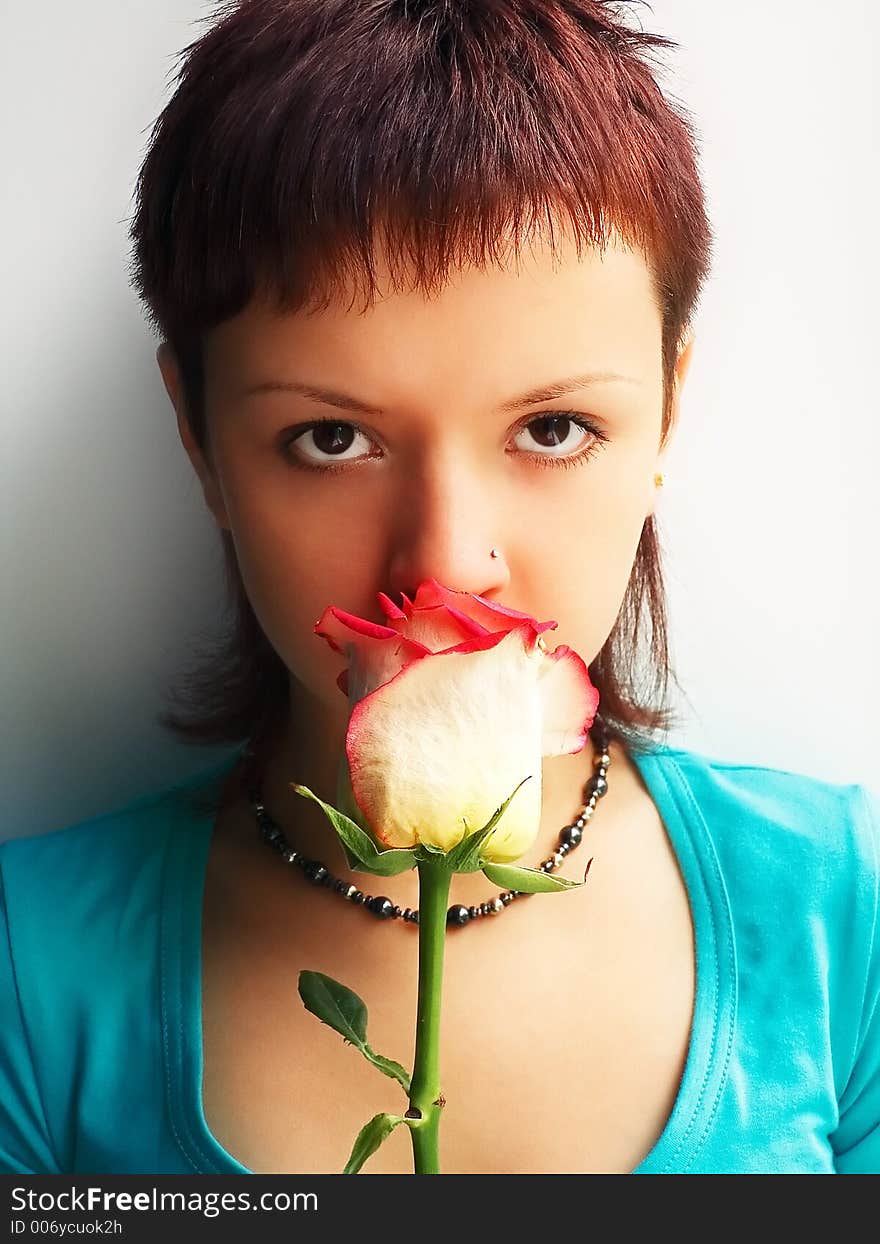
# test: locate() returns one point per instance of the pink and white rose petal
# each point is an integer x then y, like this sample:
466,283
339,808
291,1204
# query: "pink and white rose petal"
452,704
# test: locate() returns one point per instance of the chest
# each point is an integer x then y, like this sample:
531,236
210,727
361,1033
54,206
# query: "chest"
565,1029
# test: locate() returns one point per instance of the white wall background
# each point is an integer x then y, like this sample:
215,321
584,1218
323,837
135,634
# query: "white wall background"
111,565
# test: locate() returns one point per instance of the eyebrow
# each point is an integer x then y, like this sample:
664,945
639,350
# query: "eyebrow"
344,401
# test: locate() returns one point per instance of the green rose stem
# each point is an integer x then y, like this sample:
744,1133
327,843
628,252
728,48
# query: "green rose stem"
341,1009
434,881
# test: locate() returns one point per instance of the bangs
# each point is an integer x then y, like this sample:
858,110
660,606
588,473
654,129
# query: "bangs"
450,134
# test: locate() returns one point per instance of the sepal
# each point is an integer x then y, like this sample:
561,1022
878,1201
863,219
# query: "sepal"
360,849
529,880
465,856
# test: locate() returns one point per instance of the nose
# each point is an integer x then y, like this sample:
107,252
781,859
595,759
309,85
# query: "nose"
445,528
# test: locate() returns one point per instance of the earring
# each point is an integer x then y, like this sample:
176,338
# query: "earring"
658,479
494,553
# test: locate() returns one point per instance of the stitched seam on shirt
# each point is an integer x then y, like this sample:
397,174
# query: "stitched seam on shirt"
733,766
728,1054
863,1023
181,1142
683,1142
873,839
24,1028
716,1014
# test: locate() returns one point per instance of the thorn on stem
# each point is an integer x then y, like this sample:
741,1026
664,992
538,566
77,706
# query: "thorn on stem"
439,1101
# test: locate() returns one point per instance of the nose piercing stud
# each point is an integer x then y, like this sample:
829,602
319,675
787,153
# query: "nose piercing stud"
494,553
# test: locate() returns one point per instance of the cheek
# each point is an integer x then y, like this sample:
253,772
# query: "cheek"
287,592
291,571
583,583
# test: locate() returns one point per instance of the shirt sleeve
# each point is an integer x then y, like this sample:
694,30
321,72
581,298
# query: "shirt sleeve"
856,1140
25,1147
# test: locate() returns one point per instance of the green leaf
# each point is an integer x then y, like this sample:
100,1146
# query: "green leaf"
341,1009
529,880
361,851
388,1066
369,1139
335,1005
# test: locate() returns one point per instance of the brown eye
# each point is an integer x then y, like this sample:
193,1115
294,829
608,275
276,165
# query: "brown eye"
559,439
333,438
551,430
324,442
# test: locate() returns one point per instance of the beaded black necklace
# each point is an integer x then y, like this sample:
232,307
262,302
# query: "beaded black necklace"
569,838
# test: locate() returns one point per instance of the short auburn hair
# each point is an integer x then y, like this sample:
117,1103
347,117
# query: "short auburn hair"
301,131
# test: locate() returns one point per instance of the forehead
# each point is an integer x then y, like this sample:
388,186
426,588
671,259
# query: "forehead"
545,310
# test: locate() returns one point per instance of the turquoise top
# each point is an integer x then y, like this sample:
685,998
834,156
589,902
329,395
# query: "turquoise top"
100,980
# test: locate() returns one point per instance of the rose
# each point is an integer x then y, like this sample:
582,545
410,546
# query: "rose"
452,706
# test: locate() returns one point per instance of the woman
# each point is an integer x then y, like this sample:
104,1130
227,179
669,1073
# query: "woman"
425,275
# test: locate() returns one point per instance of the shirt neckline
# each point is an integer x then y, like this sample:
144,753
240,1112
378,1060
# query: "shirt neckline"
708,1057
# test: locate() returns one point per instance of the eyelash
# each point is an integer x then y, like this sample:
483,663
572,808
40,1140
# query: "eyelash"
541,460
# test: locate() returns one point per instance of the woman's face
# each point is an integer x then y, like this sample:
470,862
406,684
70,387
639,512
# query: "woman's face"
432,452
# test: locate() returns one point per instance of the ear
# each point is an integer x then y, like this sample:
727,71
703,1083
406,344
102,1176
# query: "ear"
682,367
171,378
